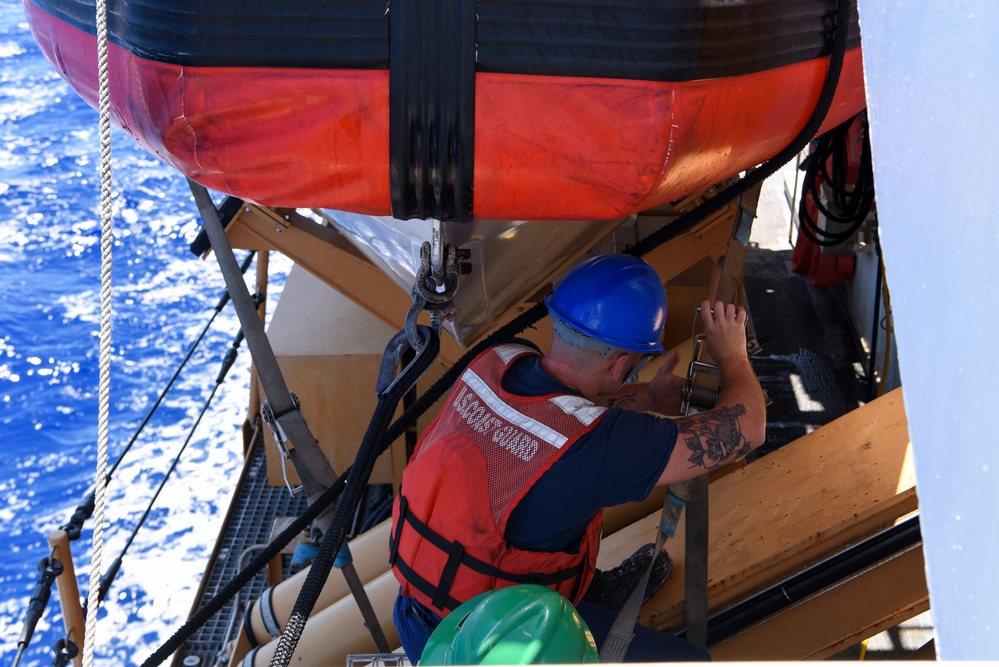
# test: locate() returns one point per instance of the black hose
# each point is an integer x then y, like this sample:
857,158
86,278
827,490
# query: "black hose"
848,203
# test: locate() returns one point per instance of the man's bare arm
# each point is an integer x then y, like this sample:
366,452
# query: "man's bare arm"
737,423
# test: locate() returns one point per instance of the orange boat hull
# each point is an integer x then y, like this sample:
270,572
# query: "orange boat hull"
546,147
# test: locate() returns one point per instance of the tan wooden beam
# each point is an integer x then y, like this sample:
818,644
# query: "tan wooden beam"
69,593
789,510
876,599
709,238
330,257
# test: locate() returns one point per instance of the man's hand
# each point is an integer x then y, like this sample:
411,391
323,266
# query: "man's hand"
725,329
666,388
737,423
663,395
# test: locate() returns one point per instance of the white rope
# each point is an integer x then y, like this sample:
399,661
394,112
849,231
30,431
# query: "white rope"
105,353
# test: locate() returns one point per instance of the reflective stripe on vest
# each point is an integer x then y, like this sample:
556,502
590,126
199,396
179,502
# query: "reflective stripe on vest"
472,466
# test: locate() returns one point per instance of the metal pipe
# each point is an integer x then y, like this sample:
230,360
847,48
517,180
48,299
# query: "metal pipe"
370,551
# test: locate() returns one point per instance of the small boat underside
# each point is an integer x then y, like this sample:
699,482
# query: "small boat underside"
544,111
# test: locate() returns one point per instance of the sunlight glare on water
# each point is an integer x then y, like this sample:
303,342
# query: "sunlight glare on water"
50,263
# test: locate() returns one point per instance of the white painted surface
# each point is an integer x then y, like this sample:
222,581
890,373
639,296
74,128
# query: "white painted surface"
932,70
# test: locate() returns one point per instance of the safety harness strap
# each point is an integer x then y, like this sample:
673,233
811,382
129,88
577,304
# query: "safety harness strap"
423,585
623,629
457,556
448,574
311,464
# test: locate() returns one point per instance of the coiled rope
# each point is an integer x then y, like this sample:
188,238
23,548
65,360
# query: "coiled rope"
104,385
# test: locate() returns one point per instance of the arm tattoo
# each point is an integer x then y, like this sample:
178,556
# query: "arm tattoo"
715,437
625,401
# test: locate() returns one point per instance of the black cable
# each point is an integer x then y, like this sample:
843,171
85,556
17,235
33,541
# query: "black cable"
814,579
243,577
847,203
876,320
112,571
85,509
371,447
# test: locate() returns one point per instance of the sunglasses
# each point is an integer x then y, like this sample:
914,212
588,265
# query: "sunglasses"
642,363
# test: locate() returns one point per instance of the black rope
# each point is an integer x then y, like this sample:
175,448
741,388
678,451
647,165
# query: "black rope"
112,571
260,561
264,556
525,320
371,447
85,509
757,176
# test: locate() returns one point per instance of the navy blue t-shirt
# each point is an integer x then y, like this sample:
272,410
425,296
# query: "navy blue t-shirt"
619,461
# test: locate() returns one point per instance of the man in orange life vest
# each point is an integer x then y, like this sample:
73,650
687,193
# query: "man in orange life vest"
508,483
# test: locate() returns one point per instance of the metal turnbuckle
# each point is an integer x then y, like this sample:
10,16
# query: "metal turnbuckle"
703,379
703,382
280,439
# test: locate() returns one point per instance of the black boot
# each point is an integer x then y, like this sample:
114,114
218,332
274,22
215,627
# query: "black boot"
610,589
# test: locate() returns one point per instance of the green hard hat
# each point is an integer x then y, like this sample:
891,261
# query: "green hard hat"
518,625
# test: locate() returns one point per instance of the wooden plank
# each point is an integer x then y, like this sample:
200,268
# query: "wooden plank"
330,351
338,401
708,240
881,597
789,509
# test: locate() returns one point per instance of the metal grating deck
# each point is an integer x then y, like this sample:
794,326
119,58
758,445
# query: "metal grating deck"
256,505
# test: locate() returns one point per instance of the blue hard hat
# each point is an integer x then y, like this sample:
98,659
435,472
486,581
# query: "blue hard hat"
618,300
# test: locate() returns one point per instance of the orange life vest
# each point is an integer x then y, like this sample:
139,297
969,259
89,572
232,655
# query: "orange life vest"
472,466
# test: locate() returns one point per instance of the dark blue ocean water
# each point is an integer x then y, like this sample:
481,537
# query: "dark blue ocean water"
50,262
